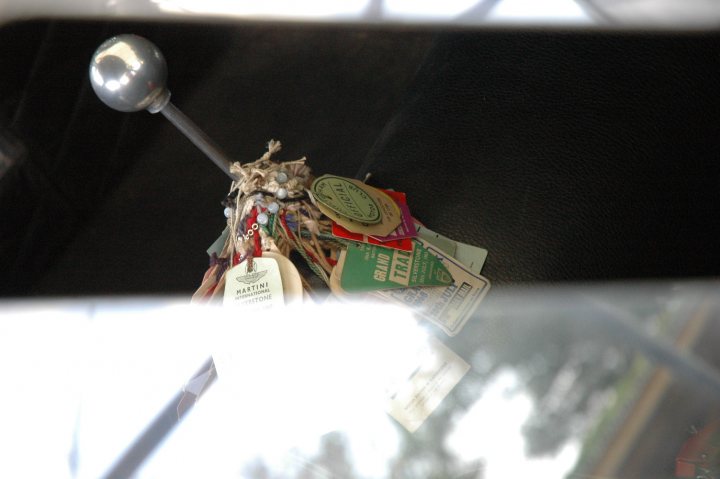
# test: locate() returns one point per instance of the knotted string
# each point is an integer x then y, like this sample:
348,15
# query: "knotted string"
255,187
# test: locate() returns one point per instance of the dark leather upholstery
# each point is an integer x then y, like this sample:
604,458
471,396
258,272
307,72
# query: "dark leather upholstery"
569,156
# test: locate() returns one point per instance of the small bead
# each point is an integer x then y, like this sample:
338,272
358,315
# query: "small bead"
273,207
281,193
227,212
262,218
282,177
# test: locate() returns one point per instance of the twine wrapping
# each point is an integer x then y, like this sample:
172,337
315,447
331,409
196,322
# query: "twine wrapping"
298,225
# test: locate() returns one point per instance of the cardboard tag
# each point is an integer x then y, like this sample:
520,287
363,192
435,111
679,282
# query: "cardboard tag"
336,288
443,243
291,281
472,257
369,268
389,211
449,308
335,276
412,399
348,198
261,287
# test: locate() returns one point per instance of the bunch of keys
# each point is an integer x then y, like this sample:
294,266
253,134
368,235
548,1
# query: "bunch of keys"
359,240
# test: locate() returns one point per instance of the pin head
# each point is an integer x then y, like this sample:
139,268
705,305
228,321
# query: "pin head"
128,73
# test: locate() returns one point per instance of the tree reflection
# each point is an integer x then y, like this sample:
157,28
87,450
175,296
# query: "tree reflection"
564,372
331,461
569,372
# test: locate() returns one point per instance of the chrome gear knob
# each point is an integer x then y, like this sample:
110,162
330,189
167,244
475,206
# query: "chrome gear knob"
129,73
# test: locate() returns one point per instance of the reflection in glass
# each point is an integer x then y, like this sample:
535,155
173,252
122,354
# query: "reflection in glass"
616,382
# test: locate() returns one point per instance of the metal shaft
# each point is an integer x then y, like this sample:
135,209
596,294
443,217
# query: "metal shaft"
197,136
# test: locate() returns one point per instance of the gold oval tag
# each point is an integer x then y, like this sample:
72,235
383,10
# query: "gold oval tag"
346,197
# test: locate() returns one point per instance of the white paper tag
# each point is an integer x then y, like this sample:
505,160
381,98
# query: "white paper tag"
291,282
261,287
472,257
451,307
412,399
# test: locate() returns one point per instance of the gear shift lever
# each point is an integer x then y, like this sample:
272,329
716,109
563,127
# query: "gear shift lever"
128,73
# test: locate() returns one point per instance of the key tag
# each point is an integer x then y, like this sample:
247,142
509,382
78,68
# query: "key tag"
256,282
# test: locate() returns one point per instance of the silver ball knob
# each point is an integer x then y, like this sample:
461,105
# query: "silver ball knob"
129,73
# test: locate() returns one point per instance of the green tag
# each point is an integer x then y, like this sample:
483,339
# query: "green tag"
347,198
219,243
369,268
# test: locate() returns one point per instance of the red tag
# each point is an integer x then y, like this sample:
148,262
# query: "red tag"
407,227
404,244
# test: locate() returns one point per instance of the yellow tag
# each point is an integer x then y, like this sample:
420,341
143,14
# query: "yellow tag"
391,217
348,198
